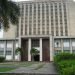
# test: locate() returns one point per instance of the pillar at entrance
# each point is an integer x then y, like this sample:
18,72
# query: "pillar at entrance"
40,49
51,48
29,48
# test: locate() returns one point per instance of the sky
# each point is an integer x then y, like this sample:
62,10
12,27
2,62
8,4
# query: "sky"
26,0
20,0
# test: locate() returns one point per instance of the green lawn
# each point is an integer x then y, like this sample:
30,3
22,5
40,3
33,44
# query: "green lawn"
4,67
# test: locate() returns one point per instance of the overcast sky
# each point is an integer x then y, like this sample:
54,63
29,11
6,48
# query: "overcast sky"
20,0
26,0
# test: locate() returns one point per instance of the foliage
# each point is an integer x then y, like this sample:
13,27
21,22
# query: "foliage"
2,59
18,50
65,63
34,51
68,71
64,56
9,13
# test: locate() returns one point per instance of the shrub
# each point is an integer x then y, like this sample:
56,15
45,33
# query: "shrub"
18,50
68,71
2,59
65,63
64,56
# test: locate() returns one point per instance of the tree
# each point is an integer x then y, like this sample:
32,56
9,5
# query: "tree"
34,52
9,13
19,52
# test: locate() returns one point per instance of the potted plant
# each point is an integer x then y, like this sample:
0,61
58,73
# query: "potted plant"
33,53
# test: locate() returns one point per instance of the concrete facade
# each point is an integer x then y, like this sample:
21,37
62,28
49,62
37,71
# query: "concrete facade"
47,25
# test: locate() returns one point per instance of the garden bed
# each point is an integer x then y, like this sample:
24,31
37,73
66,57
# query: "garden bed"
65,63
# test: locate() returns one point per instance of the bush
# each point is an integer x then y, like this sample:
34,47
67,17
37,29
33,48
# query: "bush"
68,71
65,63
64,56
2,59
18,50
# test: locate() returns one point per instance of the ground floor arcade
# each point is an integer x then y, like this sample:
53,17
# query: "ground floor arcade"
43,44
48,47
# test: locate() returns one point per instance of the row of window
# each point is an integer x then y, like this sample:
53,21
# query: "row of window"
66,51
66,43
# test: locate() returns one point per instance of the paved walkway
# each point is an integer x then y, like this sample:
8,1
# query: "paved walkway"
40,68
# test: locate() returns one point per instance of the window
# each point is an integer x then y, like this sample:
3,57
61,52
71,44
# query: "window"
1,45
8,52
35,43
17,44
1,52
9,44
73,43
66,43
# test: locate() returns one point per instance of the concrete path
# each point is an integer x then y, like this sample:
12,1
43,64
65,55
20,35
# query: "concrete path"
40,68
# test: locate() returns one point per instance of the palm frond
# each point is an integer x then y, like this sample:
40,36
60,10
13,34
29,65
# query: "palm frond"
9,11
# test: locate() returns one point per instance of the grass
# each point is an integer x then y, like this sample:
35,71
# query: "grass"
8,66
5,69
17,64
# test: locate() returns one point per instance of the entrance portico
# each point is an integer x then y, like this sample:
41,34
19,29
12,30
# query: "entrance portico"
43,44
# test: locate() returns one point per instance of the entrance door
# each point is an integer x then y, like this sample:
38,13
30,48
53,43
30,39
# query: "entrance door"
36,57
24,46
45,50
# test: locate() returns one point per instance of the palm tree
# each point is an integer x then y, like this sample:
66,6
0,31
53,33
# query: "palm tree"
33,53
9,13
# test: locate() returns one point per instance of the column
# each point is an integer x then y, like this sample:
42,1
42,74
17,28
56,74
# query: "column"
5,49
40,49
20,42
51,48
29,48
20,47
24,20
13,50
70,46
62,48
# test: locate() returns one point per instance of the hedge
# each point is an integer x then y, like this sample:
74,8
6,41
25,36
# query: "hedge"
2,59
64,56
65,63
